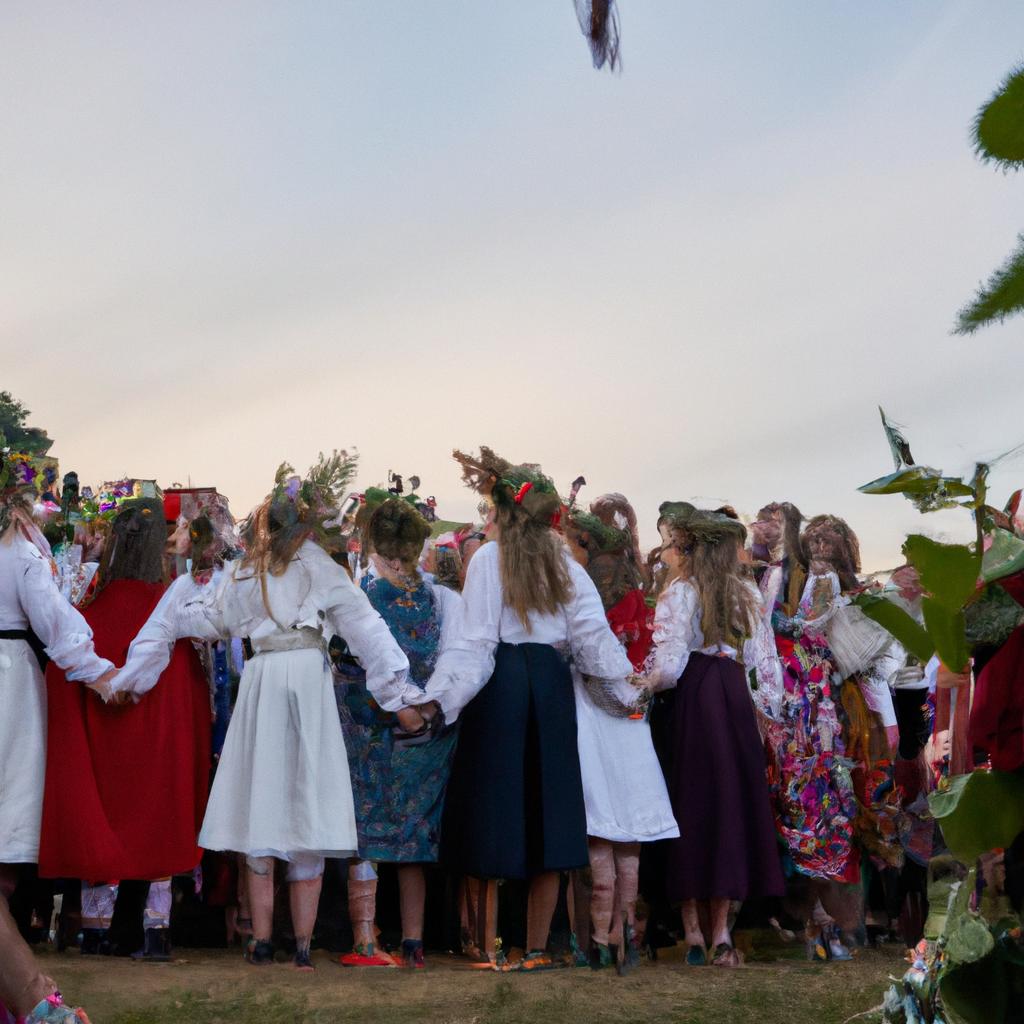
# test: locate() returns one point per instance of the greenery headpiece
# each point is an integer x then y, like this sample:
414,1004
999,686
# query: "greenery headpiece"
705,527
605,538
508,485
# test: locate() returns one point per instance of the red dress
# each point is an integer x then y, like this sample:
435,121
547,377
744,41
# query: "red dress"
126,786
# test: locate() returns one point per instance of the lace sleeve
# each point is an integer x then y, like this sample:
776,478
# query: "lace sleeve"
676,634
761,657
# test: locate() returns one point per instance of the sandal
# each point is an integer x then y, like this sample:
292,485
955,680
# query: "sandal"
302,961
726,956
366,956
696,956
536,960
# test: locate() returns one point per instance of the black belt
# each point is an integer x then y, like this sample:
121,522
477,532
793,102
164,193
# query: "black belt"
32,640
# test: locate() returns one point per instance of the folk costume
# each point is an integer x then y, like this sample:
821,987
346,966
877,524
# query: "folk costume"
624,789
33,617
717,781
282,786
515,805
398,785
126,789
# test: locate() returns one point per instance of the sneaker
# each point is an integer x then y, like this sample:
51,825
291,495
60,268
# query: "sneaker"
260,953
302,961
53,1011
412,953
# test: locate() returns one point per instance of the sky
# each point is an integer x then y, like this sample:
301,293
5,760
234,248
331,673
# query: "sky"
239,233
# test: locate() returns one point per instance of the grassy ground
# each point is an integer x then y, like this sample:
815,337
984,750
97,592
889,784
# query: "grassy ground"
216,987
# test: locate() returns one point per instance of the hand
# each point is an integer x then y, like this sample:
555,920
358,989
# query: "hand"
947,679
429,711
101,686
410,720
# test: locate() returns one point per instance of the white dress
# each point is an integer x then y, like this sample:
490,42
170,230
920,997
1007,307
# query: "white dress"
624,790
282,787
29,597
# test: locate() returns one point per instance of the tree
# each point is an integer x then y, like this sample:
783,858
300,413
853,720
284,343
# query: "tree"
13,432
999,139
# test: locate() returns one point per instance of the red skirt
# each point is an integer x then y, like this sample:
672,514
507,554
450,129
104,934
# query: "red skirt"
126,786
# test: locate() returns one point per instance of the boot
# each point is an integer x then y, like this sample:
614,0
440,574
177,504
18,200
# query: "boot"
157,947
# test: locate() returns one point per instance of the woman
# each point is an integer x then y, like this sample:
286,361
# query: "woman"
398,786
282,787
712,644
532,618
35,622
623,787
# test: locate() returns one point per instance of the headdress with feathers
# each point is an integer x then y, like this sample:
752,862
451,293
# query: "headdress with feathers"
506,484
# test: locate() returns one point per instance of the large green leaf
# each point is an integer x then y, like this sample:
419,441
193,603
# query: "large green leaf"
949,572
948,631
976,993
917,480
1001,296
896,621
979,812
1004,557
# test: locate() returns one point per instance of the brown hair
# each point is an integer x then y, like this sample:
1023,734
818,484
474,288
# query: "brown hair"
847,557
791,520
534,574
728,606
269,545
397,531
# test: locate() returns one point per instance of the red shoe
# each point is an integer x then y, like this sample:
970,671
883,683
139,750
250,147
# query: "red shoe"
366,956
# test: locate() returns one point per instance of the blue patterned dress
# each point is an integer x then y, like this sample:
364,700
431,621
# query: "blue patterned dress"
398,792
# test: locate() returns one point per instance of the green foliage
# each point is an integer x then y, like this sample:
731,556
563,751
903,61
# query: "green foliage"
14,433
999,125
891,617
979,812
1001,296
1004,557
949,572
948,631
927,488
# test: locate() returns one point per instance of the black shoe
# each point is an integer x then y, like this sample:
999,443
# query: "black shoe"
412,953
260,953
95,942
303,961
157,948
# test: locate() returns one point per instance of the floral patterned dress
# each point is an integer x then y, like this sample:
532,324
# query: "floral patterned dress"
399,792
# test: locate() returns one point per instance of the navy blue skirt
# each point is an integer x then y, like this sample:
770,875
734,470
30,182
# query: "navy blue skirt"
514,807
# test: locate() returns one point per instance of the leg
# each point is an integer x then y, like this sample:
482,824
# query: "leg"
627,885
305,877
413,895
540,910
260,875
581,885
22,985
602,898
362,905
156,919
482,915
693,936
720,923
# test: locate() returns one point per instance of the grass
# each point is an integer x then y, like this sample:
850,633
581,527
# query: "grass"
217,988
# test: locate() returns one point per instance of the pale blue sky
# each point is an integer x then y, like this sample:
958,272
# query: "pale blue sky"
236,233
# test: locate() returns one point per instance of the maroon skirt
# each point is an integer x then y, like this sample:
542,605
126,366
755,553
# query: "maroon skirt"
727,846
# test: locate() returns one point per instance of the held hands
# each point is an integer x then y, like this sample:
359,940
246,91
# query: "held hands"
947,679
103,688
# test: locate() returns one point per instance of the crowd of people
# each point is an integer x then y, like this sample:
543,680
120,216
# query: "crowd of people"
199,715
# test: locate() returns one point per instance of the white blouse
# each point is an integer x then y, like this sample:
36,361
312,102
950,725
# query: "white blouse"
29,596
466,664
677,633
314,593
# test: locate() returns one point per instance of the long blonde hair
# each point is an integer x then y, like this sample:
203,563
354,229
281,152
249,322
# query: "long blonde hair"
728,605
534,573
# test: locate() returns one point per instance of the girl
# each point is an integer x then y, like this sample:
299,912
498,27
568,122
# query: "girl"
532,619
712,644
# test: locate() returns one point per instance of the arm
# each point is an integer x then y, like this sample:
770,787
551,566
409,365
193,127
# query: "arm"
185,610
65,634
675,635
596,650
354,619
467,658
761,657
874,683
